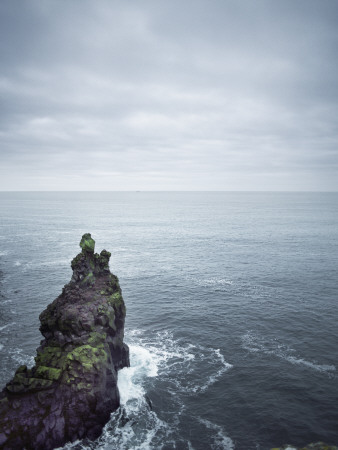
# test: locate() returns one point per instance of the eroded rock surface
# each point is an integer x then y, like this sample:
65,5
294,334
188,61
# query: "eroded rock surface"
72,389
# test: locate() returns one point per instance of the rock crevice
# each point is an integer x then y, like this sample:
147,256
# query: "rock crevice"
71,391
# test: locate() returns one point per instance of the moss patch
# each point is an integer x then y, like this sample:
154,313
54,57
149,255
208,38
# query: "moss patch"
116,300
89,279
48,373
49,357
87,243
88,356
97,339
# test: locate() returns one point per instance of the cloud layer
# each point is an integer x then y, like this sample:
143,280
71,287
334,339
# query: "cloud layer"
169,95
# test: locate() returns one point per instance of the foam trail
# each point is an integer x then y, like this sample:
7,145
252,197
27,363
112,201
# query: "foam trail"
258,344
7,325
312,365
216,283
220,439
179,363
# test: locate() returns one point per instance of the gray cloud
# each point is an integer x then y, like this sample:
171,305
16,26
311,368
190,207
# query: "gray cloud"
169,95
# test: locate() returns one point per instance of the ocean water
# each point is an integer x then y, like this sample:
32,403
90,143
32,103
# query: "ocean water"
231,309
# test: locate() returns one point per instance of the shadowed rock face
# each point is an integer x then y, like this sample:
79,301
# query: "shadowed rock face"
72,389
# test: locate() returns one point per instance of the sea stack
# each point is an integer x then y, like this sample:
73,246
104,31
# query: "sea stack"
71,391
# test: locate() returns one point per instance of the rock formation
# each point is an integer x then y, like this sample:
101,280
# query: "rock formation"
72,389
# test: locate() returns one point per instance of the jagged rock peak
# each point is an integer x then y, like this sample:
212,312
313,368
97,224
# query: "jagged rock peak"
71,391
87,243
87,264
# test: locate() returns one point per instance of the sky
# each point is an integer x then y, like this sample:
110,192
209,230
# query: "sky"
234,95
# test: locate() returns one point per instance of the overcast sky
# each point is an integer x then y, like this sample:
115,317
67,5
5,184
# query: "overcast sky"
169,95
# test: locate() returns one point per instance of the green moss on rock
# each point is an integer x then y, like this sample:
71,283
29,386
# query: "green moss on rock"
21,384
49,373
97,339
71,391
117,302
88,356
89,279
49,357
87,243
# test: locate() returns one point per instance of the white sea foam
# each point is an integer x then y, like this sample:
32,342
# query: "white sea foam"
57,262
4,302
17,263
219,440
3,252
21,358
130,378
217,283
158,356
135,425
179,363
1,346
7,325
213,378
258,344
312,365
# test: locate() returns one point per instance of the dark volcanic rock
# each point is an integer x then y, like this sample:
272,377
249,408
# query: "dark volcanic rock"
71,391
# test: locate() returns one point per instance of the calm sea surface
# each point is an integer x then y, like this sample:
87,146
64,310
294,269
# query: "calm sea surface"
231,309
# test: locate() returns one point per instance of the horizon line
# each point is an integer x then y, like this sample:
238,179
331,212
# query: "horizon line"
177,191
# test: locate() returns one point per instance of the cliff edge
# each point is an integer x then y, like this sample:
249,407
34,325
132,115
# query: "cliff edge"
72,389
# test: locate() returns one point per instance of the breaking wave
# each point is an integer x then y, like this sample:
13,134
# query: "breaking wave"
139,423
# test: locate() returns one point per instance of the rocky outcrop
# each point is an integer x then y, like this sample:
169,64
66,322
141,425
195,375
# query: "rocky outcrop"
72,389
315,446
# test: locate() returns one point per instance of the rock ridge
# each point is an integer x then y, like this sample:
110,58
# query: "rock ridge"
71,391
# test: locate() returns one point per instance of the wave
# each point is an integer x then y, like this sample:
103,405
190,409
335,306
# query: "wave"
7,325
4,253
180,363
57,262
258,344
159,358
312,365
22,358
11,358
214,282
134,425
220,440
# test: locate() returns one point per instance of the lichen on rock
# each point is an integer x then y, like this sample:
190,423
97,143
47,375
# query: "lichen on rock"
72,389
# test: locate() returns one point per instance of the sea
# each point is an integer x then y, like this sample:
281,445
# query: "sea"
231,309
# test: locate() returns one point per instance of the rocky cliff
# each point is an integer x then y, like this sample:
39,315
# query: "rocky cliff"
72,389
